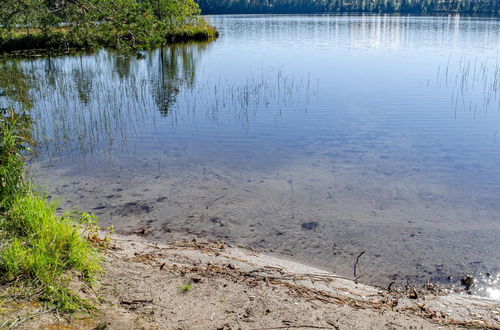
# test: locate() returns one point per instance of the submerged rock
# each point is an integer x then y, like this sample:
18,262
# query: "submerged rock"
310,225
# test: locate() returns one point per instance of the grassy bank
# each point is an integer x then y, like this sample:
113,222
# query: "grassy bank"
201,31
88,24
61,40
39,249
58,40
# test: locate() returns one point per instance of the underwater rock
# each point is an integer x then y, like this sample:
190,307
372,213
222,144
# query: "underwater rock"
310,225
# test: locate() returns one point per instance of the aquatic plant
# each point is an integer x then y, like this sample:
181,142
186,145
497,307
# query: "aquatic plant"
467,77
81,107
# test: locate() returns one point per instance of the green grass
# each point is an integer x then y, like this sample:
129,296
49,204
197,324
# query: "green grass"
185,288
201,31
15,138
39,247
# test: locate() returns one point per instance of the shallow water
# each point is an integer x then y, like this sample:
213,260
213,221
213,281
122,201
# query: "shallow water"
316,137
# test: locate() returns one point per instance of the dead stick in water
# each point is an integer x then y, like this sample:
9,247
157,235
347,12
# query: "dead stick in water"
356,265
214,201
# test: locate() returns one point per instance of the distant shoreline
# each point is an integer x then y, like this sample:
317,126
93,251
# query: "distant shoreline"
431,7
360,13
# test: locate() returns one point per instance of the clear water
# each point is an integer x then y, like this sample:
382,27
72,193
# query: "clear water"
315,137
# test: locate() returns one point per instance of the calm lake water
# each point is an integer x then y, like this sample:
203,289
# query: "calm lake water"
315,137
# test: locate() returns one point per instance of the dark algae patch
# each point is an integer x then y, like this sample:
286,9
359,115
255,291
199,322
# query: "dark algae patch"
310,225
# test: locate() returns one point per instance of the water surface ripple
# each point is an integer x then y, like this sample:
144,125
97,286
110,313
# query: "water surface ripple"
316,137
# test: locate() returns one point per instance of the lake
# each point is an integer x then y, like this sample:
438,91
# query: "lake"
312,137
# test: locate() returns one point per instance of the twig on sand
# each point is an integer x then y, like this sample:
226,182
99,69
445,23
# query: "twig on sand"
356,277
136,301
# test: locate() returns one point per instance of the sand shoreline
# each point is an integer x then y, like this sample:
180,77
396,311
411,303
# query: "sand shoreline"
194,285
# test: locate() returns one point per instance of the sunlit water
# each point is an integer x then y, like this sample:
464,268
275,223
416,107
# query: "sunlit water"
315,137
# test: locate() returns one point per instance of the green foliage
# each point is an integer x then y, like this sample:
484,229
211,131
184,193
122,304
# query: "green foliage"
15,138
174,12
44,246
336,6
93,23
15,133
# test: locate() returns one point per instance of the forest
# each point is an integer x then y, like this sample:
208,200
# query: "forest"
490,7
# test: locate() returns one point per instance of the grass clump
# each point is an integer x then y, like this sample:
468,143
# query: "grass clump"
185,288
199,31
39,247
15,138
44,245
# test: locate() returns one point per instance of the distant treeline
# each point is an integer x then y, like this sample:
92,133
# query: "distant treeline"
491,7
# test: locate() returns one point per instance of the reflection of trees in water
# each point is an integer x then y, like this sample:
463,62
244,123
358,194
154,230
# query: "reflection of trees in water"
15,86
176,68
50,72
122,65
83,82
103,101
85,103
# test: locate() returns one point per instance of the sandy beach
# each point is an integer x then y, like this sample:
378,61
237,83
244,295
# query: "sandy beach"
213,285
